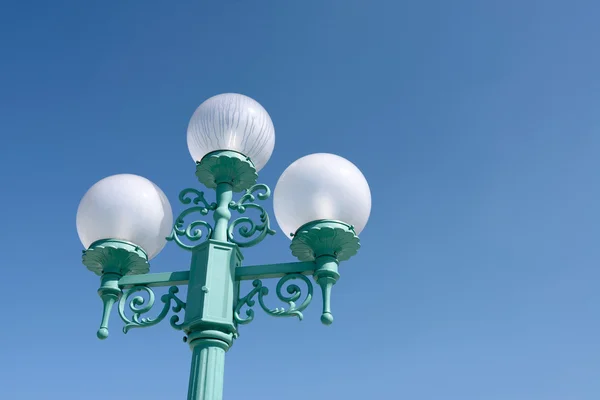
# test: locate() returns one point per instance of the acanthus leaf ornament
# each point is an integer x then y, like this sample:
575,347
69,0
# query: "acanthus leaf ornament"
325,237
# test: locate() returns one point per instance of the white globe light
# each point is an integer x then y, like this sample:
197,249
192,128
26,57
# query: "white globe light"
125,207
235,122
321,186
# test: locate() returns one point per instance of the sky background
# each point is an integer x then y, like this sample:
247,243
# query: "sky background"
476,123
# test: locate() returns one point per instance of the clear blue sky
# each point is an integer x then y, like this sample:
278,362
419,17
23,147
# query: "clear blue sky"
477,124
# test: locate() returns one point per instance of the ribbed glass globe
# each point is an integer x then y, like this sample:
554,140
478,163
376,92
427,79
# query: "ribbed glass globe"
125,207
235,122
321,186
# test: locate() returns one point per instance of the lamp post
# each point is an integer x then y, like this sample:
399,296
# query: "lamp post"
322,200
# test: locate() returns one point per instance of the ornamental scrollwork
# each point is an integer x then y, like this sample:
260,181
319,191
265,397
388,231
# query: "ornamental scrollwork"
246,226
294,294
196,230
139,305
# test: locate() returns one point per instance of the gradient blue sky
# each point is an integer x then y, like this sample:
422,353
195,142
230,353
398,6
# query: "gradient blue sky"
476,123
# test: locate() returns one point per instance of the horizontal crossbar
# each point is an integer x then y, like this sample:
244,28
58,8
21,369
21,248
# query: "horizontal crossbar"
156,280
273,270
241,274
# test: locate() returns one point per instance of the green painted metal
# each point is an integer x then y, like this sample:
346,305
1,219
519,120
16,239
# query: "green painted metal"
326,276
139,306
155,280
208,364
222,215
226,166
111,259
274,270
115,256
192,231
213,307
294,291
110,293
325,237
326,242
247,227
198,231
211,287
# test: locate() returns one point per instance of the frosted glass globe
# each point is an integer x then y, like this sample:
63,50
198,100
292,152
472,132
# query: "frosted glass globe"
321,186
125,207
232,121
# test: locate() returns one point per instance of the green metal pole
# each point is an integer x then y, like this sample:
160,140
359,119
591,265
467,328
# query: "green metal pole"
209,310
208,365
222,213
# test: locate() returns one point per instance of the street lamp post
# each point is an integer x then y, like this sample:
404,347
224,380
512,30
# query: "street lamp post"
123,221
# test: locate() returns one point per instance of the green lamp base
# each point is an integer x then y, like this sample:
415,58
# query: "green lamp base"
325,238
226,166
116,257
111,259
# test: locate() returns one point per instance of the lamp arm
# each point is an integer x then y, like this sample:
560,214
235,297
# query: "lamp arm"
117,289
155,280
274,270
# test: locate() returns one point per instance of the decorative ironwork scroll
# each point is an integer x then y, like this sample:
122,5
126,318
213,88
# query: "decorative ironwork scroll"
246,226
294,294
139,305
192,231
